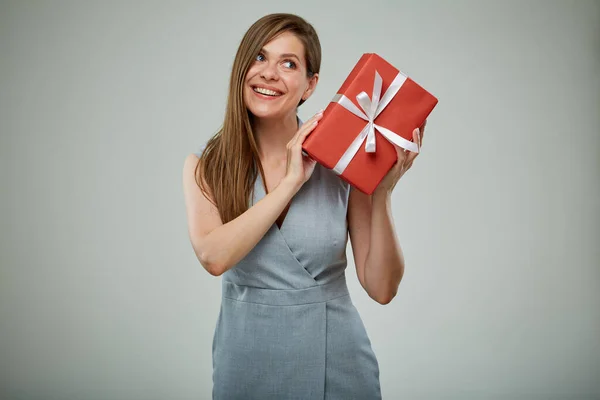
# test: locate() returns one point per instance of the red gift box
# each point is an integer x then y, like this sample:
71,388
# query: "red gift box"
376,105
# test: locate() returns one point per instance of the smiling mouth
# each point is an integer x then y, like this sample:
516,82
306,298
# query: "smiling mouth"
266,92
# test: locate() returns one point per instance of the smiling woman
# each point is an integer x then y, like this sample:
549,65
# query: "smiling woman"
273,224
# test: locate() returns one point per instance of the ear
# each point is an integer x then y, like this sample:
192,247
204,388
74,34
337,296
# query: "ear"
312,85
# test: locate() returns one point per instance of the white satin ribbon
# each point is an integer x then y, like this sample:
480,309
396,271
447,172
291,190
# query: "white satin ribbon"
372,108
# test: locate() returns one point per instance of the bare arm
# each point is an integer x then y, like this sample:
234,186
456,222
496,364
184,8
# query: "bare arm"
377,253
220,246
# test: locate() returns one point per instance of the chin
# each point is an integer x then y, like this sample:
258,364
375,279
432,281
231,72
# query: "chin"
266,114
266,111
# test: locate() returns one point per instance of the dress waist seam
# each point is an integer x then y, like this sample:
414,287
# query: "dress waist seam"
286,297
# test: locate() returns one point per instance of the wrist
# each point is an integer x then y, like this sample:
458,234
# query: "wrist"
382,193
289,186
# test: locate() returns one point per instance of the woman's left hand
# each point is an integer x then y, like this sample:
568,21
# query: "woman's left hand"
405,161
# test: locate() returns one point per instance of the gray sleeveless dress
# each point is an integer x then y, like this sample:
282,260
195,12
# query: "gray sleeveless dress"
287,327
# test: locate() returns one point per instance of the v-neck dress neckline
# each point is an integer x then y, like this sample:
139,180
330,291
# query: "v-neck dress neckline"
263,192
262,186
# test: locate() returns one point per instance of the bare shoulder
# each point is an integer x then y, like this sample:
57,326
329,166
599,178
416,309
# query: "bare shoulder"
202,215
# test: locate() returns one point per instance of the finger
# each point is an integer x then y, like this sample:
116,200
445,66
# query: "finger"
306,127
411,155
311,161
311,127
303,133
299,140
312,119
315,117
318,114
415,140
422,133
401,157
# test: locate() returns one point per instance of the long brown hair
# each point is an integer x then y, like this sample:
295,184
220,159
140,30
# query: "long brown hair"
230,160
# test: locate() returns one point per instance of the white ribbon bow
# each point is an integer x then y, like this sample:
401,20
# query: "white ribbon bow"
372,108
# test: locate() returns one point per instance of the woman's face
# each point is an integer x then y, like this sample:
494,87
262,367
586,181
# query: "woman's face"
277,79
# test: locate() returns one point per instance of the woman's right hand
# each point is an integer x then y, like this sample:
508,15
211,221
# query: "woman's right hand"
299,167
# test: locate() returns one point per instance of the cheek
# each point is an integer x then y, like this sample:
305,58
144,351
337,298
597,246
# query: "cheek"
252,72
246,95
295,86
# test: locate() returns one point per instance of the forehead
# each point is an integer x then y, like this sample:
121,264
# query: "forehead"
283,43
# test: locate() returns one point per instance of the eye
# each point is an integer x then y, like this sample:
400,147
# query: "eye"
260,57
290,64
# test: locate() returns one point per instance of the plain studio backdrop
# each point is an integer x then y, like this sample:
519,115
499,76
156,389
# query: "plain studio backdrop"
101,295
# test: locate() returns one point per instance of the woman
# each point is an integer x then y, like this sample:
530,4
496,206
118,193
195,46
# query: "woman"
274,225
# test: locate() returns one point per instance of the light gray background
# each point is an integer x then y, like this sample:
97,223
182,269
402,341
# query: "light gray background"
101,296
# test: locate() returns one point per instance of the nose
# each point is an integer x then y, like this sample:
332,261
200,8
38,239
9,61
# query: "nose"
269,71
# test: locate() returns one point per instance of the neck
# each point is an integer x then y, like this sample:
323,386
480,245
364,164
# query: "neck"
272,136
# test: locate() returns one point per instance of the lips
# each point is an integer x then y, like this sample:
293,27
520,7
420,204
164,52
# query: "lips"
266,91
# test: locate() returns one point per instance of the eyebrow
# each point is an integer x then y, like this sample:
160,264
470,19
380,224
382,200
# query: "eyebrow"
282,55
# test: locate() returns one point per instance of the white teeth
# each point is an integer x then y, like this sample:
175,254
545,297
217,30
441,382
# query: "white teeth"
266,91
